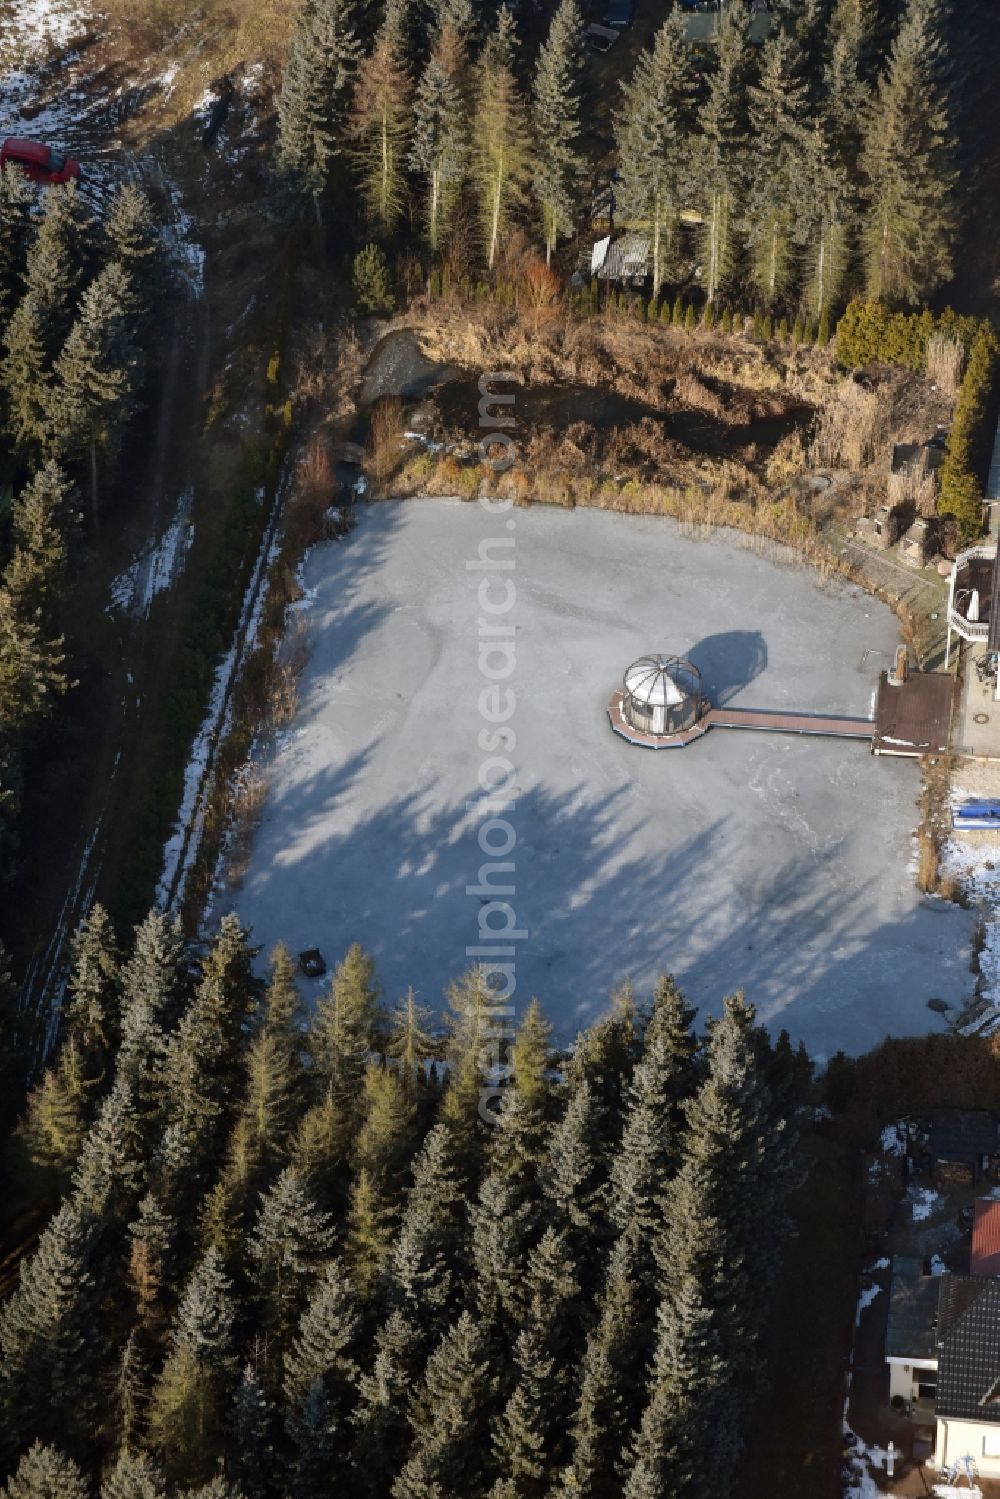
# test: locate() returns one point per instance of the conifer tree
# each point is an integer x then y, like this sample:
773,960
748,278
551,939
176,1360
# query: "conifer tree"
134,1476
907,163
192,1395
16,199
94,998
653,137
724,1216
275,1079
125,1417
449,1419
315,97
52,1129
380,127
611,1382
111,1166
321,1145
439,151
650,1146
250,1455
720,152
410,1043
45,1473
688,1396
203,1055
31,675
288,1249
369,1234
342,1033
425,1273
382,1417
133,240
469,1050
556,113
574,1176
153,983
96,377
501,145
49,1353
778,116
320,1387
152,1236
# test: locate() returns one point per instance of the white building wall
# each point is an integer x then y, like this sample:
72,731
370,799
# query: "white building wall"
904,1377
978,1440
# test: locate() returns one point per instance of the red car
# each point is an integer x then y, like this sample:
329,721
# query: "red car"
38,162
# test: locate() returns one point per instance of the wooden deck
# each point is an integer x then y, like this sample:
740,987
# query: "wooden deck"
743,718
791,723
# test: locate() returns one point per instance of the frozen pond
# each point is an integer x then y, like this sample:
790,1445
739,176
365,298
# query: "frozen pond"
775,864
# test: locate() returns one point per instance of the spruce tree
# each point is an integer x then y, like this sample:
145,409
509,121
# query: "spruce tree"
906,159
425,1272
449,1419
288,1249
439,150
250,1457
382,1417
574,1176
556,116
501,143
653,132
16,199
611,1382
49,1350
134,1476
94,1002
45,1473
688,1397
778,116
320,1384
133,239
193,1394
315,96
720,153
152,1241
96,377
651,1139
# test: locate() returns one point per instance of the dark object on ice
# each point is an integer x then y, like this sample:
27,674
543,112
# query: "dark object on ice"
939,1006
312,963
217,117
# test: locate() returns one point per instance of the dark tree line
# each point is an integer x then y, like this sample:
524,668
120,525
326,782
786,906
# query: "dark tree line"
287,1257
822,162
75,306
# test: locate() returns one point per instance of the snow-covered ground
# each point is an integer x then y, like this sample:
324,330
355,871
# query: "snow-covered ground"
771,862
33,29
973,858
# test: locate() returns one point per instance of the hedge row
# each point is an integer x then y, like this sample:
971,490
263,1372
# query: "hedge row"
970,441
868,333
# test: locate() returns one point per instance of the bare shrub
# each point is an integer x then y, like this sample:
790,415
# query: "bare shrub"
848,427
384,436
246,794
691,391
927,861
945,363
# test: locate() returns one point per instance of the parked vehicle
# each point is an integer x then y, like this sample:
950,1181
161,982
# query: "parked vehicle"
601,38
38,162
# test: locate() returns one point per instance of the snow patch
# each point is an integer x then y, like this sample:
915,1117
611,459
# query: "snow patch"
923,1201
157,565
894,1139
30,29
868,1295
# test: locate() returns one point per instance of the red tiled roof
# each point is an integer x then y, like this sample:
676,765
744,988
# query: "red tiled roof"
985,1258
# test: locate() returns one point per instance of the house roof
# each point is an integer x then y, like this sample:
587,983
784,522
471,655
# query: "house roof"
913,1311
963,1134
968,1386
626,258
985,1258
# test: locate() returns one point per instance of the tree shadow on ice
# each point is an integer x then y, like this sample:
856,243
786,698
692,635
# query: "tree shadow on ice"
407,881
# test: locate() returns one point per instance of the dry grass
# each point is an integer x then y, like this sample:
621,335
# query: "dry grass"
945,363
848,428
245,798
385,432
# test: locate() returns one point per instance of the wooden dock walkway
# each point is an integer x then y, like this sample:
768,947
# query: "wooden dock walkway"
791,723
764,719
